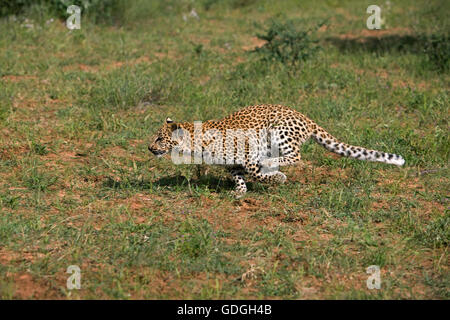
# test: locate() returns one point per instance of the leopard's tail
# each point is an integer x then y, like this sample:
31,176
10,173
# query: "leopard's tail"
332,144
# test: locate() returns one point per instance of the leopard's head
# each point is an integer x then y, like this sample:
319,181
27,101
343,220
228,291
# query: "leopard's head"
165,139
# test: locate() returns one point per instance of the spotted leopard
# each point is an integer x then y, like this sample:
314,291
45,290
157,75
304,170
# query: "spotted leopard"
289,129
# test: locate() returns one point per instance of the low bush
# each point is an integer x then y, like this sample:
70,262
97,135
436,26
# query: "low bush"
289,42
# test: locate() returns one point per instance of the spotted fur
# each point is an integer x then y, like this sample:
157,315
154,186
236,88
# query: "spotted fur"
291,129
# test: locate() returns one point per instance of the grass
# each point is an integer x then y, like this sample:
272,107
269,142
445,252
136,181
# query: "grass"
79,187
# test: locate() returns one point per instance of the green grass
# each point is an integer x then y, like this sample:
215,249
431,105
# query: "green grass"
79,187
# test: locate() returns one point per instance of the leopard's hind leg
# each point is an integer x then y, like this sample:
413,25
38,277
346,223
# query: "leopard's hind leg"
238,178
256,171
290,151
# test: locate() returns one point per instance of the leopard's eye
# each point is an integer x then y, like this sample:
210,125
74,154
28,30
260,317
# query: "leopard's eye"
158,139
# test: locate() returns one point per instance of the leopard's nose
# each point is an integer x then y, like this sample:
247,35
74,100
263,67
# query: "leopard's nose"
150,148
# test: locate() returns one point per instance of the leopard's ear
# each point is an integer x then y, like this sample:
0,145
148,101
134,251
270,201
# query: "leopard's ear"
174,126
177,130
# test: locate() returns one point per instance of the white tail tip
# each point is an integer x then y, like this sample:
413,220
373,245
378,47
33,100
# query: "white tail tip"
398,162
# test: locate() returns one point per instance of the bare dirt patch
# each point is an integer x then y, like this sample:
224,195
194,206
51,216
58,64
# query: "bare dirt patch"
26,287
81,67
253,43
18,78
364,35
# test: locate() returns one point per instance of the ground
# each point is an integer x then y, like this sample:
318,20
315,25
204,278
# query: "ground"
79,187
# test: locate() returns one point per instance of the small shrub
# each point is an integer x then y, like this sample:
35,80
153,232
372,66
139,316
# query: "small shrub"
39,149
38,180
437,48
288,42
